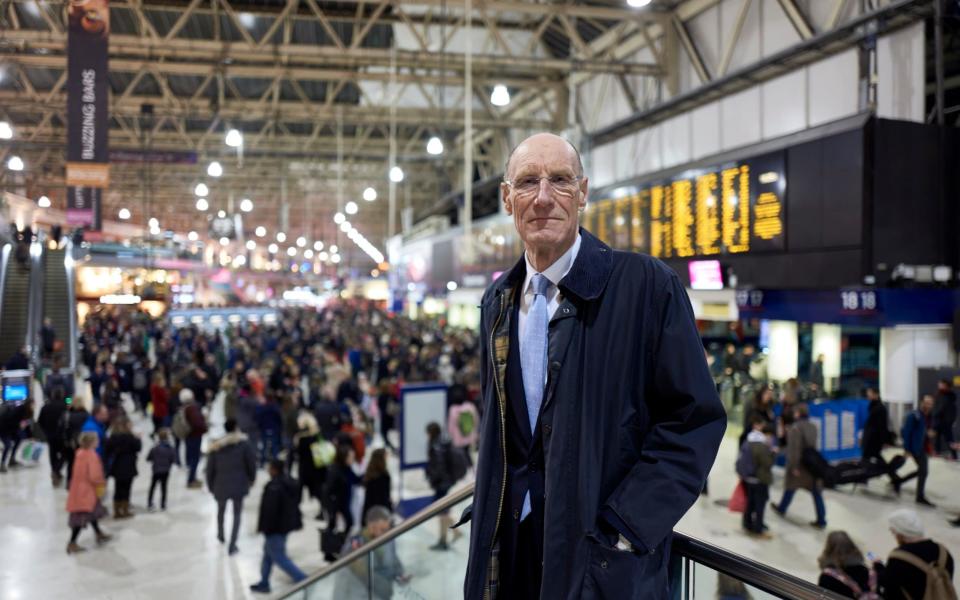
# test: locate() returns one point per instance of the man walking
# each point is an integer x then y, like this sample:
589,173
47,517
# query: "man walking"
279,515
944,418
917,431
801,436
231,470
603,420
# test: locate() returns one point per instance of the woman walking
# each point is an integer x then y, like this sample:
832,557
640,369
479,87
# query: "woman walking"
120,453
376,480
160,399
87,487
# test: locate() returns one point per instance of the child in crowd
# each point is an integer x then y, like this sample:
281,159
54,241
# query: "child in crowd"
754,466
162,456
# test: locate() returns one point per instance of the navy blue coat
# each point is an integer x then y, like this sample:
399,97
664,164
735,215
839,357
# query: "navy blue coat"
631,424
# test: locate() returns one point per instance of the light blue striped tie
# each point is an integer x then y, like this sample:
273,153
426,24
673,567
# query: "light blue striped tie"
533,359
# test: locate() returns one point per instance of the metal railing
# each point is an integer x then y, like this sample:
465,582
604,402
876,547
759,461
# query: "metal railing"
686,553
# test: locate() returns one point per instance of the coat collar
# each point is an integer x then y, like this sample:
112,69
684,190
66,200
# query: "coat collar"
587,277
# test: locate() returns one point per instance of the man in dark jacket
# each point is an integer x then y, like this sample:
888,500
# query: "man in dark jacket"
279,515
231,470
51,421
916,433
877,434
595,387
198,427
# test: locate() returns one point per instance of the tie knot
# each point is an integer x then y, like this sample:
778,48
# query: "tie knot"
540,284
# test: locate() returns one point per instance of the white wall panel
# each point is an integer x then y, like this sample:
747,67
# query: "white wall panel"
705,124
676,141
600,166
738,117
705,30
784,102
833,90
747,50
777,32
900,66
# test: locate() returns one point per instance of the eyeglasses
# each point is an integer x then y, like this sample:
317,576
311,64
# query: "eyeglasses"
564,184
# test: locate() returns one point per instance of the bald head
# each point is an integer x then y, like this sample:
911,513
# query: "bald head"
546,142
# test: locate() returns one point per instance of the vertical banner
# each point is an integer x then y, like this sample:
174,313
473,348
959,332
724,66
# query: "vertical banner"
88,167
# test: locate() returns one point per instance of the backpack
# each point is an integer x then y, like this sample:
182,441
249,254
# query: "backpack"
745,467
456,462
939,582
180,425
848,581
323,452
465,423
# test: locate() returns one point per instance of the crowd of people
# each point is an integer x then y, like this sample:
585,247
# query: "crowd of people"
301,397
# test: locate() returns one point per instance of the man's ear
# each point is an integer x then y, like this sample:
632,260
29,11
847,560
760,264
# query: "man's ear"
507,203
584,190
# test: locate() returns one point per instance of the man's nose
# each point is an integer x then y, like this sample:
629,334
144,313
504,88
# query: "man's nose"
544,191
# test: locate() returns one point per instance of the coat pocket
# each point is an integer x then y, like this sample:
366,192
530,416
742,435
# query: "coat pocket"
624,575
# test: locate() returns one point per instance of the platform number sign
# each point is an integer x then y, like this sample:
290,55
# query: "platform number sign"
859,301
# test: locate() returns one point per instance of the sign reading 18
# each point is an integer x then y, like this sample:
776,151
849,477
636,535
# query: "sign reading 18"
865,300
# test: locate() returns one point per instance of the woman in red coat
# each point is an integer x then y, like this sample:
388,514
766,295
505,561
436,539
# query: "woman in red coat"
160,399
87,487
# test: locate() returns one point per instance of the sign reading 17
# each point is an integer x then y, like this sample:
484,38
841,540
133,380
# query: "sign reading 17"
860,301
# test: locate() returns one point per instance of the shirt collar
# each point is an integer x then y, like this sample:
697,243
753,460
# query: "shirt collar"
555,272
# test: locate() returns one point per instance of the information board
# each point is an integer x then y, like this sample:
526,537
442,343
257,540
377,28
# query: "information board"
729,209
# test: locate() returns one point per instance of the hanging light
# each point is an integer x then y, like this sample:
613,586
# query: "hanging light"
335,258
6,131
221,214
323,256
192,236
153,223
369,194
308,254
500,95
434,146
15,163
339,218
638,3
301,241
351,208
281,237
43,202
201,190
202,204
318,245
334,249
396,174
124,214
214,169
246,205
261,231
273,248
345,226
234,138
251,245
291,251
224,241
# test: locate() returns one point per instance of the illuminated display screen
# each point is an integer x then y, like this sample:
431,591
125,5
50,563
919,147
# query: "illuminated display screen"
731,209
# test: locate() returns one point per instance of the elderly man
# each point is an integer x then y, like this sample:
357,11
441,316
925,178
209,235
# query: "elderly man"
603,419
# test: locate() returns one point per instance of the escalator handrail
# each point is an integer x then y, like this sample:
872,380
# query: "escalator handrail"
751,572
421,517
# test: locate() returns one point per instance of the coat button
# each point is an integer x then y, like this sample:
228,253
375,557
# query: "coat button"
603,564
547,429
516,514
555,365
652,552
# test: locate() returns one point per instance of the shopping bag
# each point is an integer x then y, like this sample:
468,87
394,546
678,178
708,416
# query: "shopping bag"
738,501
32,451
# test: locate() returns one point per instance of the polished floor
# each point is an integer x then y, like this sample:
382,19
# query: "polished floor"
175,554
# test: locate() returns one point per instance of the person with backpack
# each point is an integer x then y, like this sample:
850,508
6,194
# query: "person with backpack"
463,421
445,466
279,515
802,434
919,568
162,458
754,466
189,425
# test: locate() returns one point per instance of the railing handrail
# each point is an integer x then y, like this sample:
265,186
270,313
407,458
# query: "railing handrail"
421,517
751,572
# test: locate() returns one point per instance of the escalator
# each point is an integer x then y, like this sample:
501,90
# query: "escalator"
14,302
698,571
59,303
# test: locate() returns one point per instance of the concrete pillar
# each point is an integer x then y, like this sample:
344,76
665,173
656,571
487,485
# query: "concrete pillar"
783,351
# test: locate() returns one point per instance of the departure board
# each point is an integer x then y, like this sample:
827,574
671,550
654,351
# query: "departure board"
730,209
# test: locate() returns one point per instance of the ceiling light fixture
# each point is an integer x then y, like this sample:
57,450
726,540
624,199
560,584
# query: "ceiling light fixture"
214,169
192,236
202,204
638,3
318,245
351,208
261,231
434,147
43,202
339,218
201,190
281,237
124,214
246,205
369,194
396,174
15,163
301,241
234,138
6,131
251,245
500,95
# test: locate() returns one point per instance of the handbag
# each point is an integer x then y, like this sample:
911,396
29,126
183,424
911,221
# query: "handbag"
738,501
332,543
